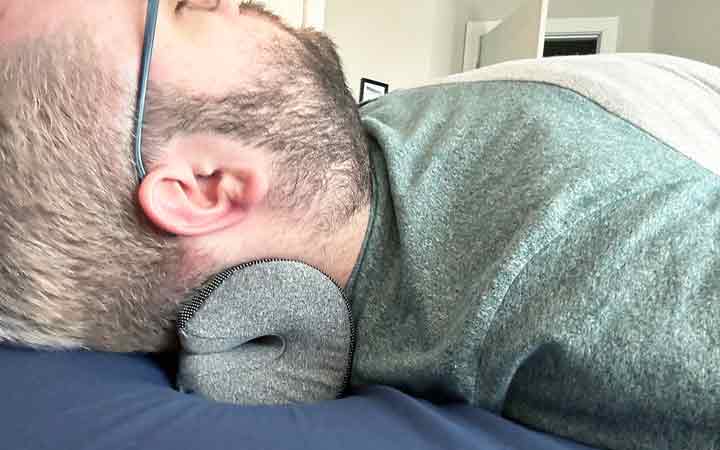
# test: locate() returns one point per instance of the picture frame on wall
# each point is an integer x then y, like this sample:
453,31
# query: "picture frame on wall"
372,89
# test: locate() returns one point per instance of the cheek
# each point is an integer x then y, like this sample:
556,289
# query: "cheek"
115,26
211,59
25,21
119,33
214,70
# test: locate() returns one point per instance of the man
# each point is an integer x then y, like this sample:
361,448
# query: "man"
513,245
249,131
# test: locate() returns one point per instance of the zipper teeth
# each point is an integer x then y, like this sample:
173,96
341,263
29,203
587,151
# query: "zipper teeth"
193,306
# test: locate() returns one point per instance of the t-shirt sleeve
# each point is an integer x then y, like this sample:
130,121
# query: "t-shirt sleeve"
614,328
83,400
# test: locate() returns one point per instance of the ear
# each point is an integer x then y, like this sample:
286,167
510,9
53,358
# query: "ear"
191,202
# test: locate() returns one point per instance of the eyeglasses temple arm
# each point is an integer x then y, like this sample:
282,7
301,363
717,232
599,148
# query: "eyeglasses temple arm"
148,44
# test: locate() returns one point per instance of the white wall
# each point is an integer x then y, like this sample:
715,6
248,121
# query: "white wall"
450,19
688,28
290,10
386,40
406,42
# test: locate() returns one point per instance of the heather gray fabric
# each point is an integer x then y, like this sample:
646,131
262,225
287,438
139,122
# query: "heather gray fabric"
305,352
534,254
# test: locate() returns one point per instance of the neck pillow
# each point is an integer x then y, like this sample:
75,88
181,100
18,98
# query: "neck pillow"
269,332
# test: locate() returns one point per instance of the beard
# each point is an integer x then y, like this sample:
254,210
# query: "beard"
81,266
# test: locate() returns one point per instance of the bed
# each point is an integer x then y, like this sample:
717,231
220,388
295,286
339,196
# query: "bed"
93,401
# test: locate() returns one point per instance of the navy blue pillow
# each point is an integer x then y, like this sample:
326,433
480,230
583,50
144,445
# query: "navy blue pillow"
92,401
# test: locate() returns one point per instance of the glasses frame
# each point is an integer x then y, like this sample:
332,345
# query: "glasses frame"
147,51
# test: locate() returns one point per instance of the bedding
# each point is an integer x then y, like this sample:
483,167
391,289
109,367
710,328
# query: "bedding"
94,401
673,99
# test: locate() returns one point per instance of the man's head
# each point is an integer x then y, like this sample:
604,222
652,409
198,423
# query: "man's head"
252,142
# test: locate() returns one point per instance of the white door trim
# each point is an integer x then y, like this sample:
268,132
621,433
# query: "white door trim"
474,31
607,27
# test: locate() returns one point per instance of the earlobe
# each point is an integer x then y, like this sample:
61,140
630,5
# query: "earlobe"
184,203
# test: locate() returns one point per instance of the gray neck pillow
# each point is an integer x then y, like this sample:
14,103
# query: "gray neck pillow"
270,332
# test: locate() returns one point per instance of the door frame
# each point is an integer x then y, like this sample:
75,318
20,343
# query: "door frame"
606,27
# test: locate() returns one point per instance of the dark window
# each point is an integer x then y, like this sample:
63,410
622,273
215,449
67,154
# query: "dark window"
568,46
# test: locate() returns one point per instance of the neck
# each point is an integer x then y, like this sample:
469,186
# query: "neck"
341,252
335,254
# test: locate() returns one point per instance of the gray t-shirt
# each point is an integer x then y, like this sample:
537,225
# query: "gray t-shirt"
548,256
